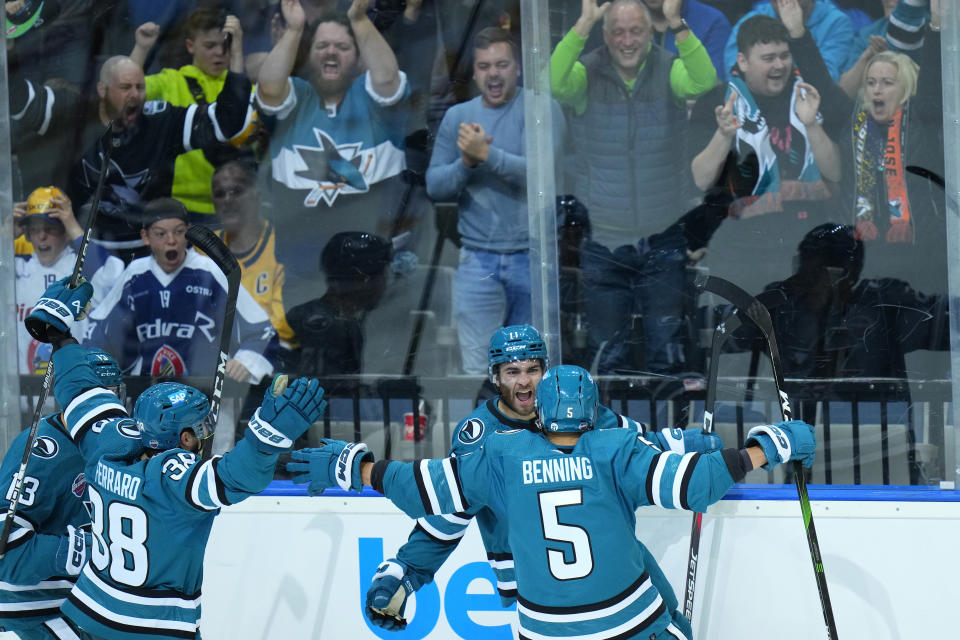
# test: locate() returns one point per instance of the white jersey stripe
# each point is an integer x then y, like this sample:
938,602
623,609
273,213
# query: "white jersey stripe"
148,623
506,586
60,629
658,476
674,631
188,127
457,520
613,632
453,483
501,564
205,478
581,616
130,598
433,532
212,114
45,584
428,485
678,479
83,397
7,607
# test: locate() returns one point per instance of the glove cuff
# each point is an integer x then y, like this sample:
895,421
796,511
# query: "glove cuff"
267,438
347,472
76,550
767,435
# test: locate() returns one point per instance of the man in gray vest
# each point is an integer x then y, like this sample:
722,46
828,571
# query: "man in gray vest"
627,165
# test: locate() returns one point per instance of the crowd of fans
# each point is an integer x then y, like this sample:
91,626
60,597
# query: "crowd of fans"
317,134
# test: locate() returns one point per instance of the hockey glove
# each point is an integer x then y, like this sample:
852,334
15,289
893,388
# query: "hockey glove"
334,463
58,310
387,595
793,440
72,552
689,440
286,413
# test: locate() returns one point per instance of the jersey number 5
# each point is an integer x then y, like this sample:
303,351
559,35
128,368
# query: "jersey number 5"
577,537
126,525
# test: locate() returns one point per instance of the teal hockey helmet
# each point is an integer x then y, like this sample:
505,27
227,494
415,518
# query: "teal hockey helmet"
567,400
166,410
107,370
515,342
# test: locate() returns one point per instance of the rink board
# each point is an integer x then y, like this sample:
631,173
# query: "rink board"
298,567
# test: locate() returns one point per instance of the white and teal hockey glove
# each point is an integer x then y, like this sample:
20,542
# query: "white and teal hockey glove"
58,310
334,463
387,595
72,551
287,412
793,440
692,440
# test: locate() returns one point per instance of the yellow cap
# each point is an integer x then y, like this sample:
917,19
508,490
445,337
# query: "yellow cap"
40,201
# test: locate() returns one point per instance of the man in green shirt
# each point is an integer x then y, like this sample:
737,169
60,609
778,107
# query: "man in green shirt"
628,134
216,44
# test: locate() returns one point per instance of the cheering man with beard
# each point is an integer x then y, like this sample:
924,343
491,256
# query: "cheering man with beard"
479,161
336,145
146,137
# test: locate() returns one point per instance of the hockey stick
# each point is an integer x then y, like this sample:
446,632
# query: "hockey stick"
755,311
39,331
208,242
727,325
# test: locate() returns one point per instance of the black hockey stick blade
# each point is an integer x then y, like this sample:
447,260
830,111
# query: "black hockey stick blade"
208,242
756,312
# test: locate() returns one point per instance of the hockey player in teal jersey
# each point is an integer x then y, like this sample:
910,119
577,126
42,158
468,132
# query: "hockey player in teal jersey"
517,360
153,498
47,545
569,497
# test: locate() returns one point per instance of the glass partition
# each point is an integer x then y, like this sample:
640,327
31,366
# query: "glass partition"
400,178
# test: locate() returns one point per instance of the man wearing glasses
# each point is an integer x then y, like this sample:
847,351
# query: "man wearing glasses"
162,317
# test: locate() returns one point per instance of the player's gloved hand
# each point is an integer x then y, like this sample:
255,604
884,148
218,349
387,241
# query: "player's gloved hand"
793,440
334,463
58,310
288,410
72,552
689,440
387,595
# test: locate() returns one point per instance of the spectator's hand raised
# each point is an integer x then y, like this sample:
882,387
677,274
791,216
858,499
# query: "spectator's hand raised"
14,7
807,101
62,210
727,122
19,217
293,14
474,144
358,10
232,26
146,35
877,45
791,15
590,12
671,10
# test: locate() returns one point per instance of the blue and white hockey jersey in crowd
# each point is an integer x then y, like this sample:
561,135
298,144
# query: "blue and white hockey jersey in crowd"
33,584
168,324
435,537
580,570
102,269
150,518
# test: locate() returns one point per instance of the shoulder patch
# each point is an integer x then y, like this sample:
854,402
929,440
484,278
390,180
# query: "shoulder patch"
128,428
151,107
79,485
45,447
471,432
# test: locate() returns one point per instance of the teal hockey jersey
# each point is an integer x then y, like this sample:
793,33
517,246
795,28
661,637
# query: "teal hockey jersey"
151,518
570,516
33,584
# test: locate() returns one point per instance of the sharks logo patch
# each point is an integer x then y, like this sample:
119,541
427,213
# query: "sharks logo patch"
471,431
45,447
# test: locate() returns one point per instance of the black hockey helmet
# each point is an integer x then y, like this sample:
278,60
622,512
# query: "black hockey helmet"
832,245
352,254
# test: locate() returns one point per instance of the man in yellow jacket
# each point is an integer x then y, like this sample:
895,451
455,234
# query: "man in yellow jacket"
216,45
